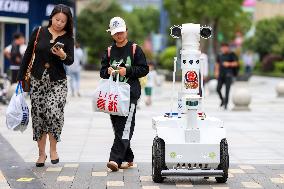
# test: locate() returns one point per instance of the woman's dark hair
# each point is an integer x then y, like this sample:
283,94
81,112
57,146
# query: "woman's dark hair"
65,10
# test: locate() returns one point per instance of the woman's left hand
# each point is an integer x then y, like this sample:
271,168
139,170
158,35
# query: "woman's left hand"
59,52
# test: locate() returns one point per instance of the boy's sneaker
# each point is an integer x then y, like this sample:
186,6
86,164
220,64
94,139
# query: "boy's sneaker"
126,165
113,166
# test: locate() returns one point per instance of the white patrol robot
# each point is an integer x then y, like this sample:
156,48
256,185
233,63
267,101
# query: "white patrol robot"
189,143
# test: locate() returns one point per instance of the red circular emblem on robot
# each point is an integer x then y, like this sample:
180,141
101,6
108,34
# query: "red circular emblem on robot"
191,80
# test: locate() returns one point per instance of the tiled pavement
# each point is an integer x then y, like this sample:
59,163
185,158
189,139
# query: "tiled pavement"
15,173
97,176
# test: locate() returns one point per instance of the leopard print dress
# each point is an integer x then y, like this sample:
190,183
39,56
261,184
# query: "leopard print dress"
48,99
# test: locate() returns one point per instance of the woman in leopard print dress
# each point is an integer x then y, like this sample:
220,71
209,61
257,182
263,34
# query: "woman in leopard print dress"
48,79
48,99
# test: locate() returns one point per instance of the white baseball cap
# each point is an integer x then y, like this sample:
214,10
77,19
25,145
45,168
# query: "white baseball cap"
116,24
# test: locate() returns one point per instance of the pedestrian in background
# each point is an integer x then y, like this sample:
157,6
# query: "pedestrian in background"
151,82
14,53
226,62
130,62
248,59
75,69
48,79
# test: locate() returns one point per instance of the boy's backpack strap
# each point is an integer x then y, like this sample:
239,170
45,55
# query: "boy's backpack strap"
134,45
108,53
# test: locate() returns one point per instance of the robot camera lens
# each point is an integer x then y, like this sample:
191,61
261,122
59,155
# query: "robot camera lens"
205,32
176,31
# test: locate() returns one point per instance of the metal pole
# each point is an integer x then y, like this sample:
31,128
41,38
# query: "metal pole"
173,86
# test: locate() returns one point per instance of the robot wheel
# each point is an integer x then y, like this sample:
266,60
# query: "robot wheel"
158,159
224,161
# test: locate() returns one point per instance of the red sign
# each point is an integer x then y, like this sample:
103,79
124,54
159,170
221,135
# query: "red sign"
107,99
191,80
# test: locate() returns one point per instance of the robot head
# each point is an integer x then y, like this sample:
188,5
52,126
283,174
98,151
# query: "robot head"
205,31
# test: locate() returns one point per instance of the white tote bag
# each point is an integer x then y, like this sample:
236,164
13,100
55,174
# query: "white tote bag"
112,97
17,114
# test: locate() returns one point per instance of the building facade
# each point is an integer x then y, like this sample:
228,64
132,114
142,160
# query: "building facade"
263,9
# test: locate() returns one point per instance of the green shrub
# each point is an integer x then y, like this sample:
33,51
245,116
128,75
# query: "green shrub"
279,67
268,38
257,67
92,58
268,62
242,67
166,58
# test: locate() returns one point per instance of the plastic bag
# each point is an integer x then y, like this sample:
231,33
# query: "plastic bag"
143,81
17,114
112,97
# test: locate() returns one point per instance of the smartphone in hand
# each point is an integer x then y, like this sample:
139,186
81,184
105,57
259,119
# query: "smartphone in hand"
58,45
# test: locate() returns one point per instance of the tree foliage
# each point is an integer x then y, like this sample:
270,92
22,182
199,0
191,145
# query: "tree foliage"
278,48
225,16
92,26
166,57
268,37
149,19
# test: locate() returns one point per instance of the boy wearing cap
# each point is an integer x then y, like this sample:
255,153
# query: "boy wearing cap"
130,62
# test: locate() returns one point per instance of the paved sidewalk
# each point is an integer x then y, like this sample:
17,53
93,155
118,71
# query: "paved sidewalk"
255,139
14,170
96,176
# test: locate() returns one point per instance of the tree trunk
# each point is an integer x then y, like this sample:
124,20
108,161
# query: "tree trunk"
215,38
204,43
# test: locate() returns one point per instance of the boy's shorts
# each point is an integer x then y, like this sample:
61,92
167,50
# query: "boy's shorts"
148,91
